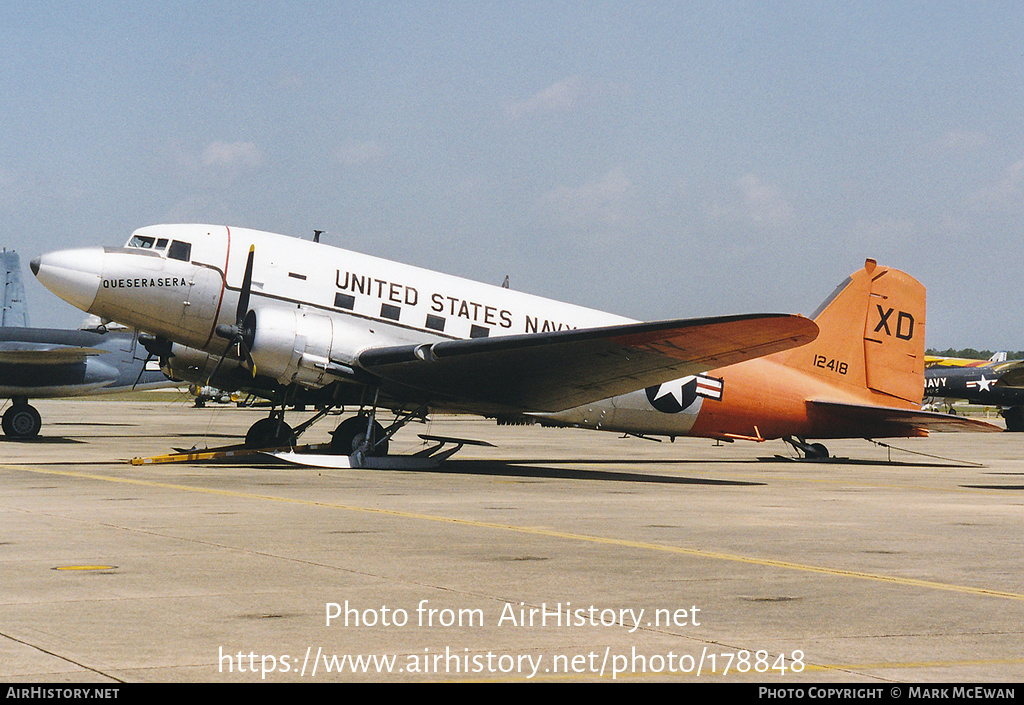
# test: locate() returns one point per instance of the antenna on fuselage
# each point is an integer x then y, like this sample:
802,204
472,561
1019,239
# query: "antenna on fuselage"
317,234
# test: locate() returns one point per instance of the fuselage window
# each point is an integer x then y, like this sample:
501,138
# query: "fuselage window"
180,250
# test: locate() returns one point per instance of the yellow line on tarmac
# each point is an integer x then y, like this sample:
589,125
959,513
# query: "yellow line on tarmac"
551,533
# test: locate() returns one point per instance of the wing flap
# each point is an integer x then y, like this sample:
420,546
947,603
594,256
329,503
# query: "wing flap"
907,419
564,369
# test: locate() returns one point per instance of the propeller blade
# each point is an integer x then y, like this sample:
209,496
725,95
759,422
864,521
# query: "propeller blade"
238,335
243,295
155,347
248,359
215,368
142,371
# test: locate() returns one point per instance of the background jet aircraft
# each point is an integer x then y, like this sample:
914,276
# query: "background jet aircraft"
43,362
862,377
297,320
995,382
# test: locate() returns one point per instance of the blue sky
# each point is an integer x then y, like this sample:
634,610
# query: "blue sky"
658,160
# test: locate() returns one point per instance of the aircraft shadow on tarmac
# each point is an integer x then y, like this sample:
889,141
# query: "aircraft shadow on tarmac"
554,469
42,440
993,487
881,462
998,487
547,469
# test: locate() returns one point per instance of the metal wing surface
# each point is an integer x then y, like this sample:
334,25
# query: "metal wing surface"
44,346
45,355
884,417
564,369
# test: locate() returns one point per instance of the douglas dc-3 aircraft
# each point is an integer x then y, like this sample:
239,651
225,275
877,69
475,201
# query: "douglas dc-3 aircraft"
44,362
303,322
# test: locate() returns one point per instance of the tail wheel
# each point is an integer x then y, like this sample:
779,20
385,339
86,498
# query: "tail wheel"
351,433
811,451
22,421
816,451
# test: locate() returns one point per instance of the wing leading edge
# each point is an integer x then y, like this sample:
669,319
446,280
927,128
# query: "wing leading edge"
563,369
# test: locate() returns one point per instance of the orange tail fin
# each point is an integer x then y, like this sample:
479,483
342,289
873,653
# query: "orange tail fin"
871,335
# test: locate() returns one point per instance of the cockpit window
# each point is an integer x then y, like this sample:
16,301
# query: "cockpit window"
176,250
144,243
180,250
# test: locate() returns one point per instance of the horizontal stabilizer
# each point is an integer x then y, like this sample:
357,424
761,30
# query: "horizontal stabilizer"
563,369
909,420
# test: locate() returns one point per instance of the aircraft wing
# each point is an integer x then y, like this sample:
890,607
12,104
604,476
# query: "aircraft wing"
42,354
563,369
909,419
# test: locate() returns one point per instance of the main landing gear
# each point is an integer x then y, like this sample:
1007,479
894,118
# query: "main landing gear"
1014,416
361,434
811,451
271,432
21,420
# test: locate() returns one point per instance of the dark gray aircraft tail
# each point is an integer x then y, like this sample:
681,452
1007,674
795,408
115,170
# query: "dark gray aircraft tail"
13,309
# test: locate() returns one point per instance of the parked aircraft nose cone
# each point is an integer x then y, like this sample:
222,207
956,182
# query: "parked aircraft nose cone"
73,275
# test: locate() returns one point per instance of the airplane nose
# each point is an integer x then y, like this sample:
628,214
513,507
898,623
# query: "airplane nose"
73,275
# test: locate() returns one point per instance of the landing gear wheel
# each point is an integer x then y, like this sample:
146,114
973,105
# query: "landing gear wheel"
351,433
1014,418
816,451
269,433
22,421
811,451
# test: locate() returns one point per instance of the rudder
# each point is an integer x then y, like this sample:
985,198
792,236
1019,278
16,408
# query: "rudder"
13,308
871,335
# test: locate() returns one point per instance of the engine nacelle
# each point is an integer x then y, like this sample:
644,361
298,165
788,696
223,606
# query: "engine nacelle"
291,345
185,364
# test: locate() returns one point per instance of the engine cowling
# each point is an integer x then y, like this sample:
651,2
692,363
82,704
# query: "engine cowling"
184,364
291,345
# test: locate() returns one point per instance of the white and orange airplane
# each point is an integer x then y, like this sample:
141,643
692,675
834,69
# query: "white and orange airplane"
302,322
862,377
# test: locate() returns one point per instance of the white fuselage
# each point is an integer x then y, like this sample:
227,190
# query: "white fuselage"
181,281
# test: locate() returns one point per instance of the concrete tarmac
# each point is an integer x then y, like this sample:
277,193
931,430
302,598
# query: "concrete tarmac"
558,555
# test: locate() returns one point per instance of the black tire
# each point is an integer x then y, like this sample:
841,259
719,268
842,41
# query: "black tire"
817,451
1014,418
351,432
22,421
269,433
